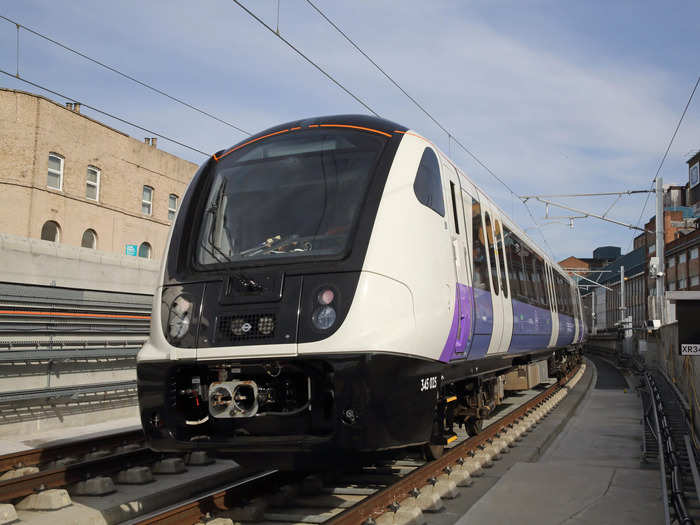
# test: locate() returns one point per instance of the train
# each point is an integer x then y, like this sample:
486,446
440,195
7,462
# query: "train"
338,285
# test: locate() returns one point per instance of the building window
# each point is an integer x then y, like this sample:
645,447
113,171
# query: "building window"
681,258
147,200
92,188
51,231
172,206
671,286
694,280
55,176
652,248
671,262
145,250
681,284
694,253
89,239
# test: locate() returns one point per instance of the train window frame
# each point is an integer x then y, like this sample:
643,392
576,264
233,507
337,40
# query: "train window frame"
480,265
502,258
377,180
493,263
427,184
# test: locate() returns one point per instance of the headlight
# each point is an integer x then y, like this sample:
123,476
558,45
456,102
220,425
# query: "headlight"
179,320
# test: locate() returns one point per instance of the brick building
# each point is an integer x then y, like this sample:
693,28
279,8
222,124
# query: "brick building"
68,178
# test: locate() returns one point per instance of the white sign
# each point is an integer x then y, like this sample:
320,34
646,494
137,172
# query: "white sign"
695,174
692,349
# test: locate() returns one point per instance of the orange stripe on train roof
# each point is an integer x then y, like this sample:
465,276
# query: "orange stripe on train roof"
217,159
73,314
355,127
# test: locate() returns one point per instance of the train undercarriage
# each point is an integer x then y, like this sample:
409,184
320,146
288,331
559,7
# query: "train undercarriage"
321,406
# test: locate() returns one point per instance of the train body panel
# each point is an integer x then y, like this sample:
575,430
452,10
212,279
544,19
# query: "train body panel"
329,278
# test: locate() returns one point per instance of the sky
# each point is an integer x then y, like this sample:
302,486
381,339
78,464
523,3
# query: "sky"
555,97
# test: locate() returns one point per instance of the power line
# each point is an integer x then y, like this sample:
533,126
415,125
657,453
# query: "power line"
110,115
668,148
120,73
450,135
297,51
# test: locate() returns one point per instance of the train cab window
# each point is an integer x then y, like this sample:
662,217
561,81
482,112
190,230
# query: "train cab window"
481,273
289,196
492,252
454,207
428,185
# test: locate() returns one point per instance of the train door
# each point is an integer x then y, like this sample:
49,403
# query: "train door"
458,238
574,311
481,282
552,306
496,284
507,330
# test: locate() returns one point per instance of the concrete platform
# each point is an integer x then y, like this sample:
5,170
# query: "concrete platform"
588,474
64,435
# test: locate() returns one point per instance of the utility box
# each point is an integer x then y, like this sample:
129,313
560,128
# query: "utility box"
542,370
523,377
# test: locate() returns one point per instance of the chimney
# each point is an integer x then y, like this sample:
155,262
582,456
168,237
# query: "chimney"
69,105
154,141
76,107
147,140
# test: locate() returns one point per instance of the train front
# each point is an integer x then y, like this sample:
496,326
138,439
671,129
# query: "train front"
265,256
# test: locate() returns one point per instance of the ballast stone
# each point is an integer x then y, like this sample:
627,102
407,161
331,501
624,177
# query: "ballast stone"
18,473
169,466
8,514
135,476
52,499
199,458
98,486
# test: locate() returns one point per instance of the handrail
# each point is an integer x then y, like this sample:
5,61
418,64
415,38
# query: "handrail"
662,462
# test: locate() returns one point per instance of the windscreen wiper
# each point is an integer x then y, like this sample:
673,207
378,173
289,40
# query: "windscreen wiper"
245,282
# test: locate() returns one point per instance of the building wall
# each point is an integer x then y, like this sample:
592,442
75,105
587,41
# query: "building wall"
34,126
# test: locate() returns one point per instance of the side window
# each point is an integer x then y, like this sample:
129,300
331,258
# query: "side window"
147,200
54,178
515,267
492,252
92,183
502,256
428,186
481,274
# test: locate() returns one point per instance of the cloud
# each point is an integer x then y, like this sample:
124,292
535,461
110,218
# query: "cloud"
547,104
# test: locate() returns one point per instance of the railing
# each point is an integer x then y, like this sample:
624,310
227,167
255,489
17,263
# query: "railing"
43,325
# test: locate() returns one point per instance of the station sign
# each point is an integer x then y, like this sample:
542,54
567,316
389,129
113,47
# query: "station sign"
132,249
690,349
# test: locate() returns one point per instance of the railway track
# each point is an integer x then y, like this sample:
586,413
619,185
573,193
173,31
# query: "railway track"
23,473
668,442
390,491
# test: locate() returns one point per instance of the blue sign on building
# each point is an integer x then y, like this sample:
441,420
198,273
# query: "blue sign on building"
132,249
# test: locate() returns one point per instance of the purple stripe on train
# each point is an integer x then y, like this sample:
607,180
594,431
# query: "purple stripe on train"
532,326
459,338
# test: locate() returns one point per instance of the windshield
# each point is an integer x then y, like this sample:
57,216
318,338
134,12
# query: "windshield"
293,195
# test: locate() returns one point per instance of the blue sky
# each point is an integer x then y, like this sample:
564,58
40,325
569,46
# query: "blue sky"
554,96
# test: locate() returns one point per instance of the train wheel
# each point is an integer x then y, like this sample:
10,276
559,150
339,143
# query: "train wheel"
473,426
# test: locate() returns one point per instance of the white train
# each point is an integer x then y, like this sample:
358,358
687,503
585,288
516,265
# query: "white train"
337,283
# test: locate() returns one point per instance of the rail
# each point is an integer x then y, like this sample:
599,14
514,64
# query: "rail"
67,392
406,486
669,458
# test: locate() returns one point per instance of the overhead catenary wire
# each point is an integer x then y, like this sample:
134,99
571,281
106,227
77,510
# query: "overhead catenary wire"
668,148
118,72
105,113
450,136
298,52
